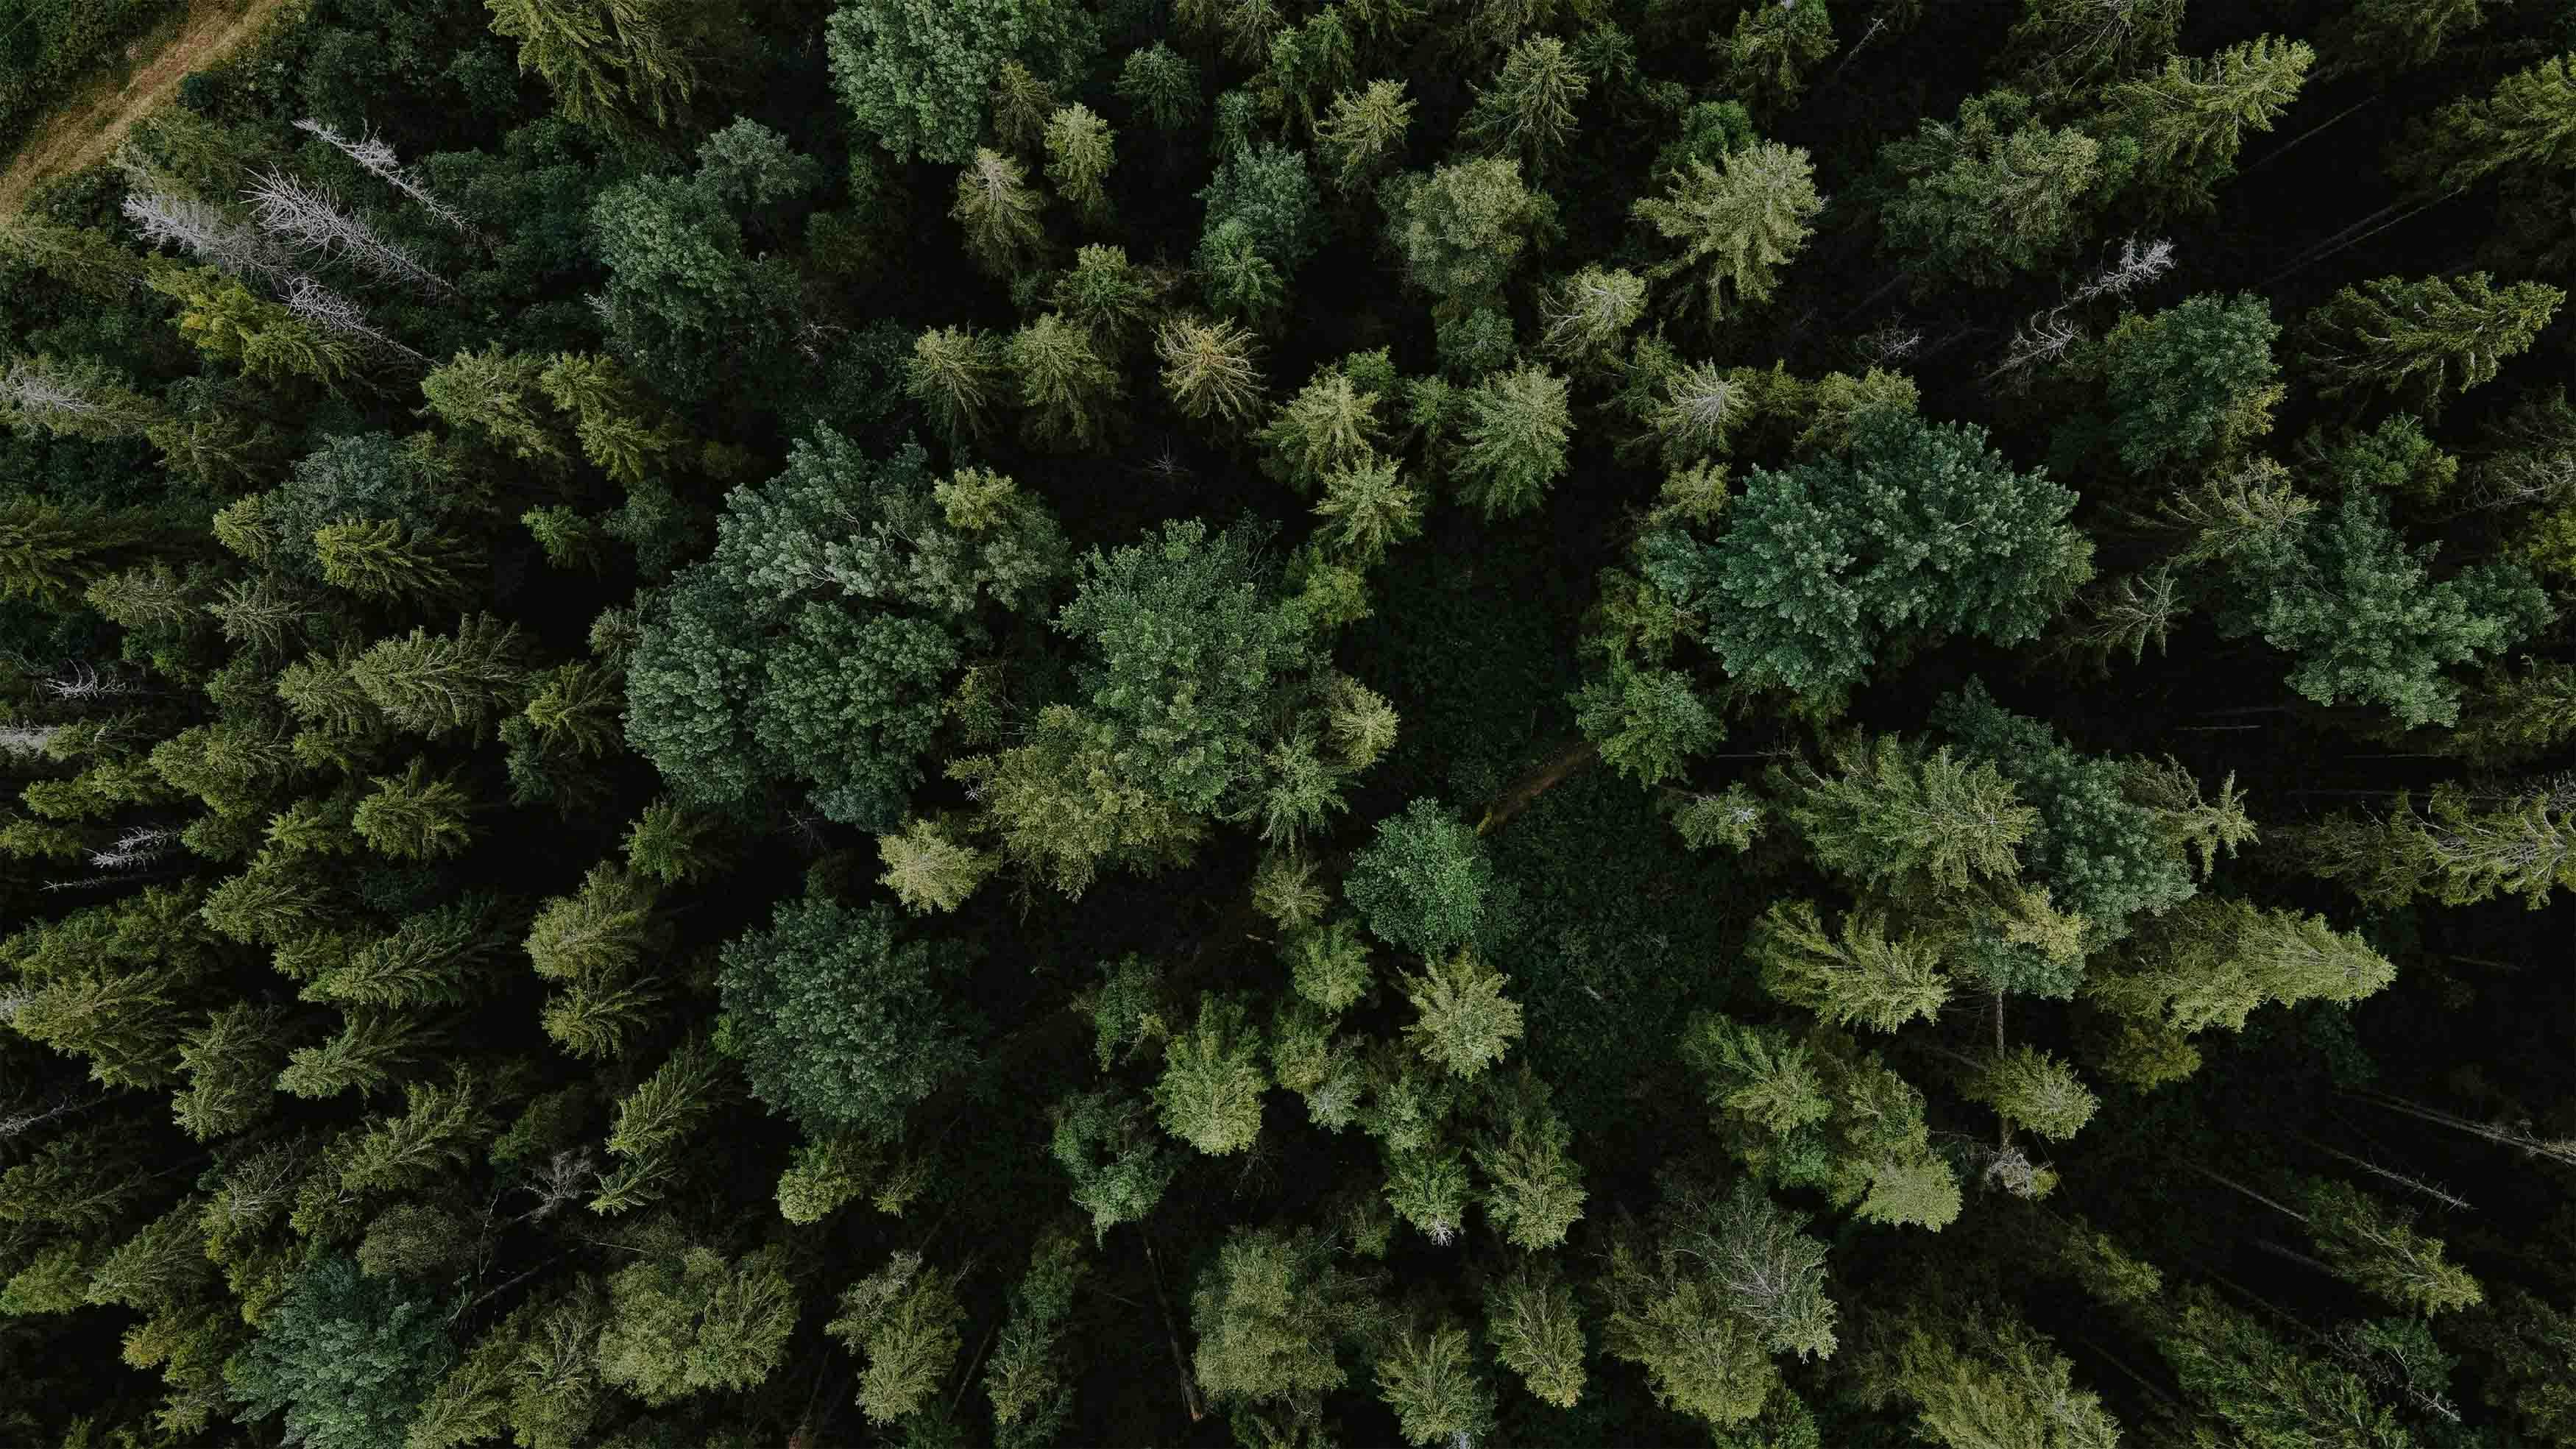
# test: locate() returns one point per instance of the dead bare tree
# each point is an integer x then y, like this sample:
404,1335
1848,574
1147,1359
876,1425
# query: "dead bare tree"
310,220
377,159
204,231
321,306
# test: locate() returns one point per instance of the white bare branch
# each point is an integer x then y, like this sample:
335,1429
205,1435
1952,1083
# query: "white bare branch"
321,306
311,220
378,160
202,230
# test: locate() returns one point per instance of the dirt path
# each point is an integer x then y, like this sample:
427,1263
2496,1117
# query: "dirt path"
88,130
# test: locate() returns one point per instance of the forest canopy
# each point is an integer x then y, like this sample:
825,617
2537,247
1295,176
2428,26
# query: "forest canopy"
1786,724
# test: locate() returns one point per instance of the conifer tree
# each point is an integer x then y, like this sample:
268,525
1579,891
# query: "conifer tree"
1211,370
2374,1246
953,373
1534,1192
1997,191
1330,424
1021,105
1363,134
1079,154
903,1320
1528,110
1163,83
1428,1377
2526,124
1106,1144
1736,224
1462,230
613,65
693,1322
1068,391
1892,811
1514,441
929,869
380,559
2189,119
1537,1332
51,553
1859,974
2031,1089
1367,509
999,211
1463,1023
493,392
2424,339
231,1063
436,684
1768,54
1267,1314
1584,317
1209,1094
415,815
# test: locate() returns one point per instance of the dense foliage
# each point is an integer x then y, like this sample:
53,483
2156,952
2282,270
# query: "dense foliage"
1784,723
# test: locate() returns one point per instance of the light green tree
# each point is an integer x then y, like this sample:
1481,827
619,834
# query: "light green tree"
1736,224
2423,339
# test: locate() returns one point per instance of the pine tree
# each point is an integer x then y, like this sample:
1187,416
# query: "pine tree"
1584,317
903,1320
1105,1142
1534,1191
435,957
1893,811
2031,1089
2526,125
605,929
374,1043
1267,1313
443,1127
1021,103
1067,389
1368,509
1079,154
415,815
1462,230
1025,1378
1736,224
435,684
50,553
610,63
231,1063
1996,192
1535,1328
999,211
1428,1377
1771,48
2190,119
1331,424
1363,134
2374,1246
1163,83
1670,1320
1528,111
1209,1094
2423,339
1463,1022
952,373
1211,370
1514,441
693,1322
577,707
493,392
1860,974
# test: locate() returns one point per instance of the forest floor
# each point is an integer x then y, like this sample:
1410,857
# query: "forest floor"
87,129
